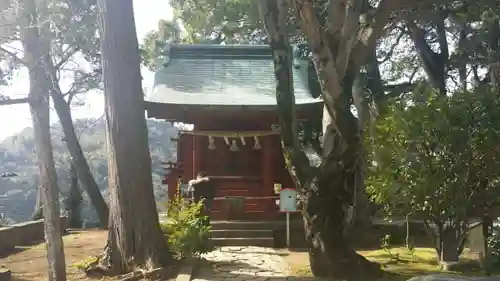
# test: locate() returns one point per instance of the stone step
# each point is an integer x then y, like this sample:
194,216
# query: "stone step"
241,233
242,241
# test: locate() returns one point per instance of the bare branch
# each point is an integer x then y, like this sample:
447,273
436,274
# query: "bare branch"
8,101
68,53
13,56
434,63
368,35
388,56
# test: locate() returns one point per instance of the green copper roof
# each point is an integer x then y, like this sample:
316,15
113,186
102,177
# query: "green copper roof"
222,75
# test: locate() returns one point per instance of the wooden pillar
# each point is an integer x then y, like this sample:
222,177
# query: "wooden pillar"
197,154
267,170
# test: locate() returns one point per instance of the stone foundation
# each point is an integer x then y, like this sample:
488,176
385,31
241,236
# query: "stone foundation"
25,233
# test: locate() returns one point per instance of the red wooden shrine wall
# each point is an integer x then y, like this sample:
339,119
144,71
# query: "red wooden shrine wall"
248,172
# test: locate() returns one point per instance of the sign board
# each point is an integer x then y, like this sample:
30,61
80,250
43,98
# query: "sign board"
288,200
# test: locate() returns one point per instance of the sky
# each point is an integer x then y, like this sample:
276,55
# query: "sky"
17,117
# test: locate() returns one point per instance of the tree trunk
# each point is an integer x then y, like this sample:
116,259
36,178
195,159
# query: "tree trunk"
361,218
38,211
78,158
136,239
451,243
74,200
36,53
325,192
407,240
449,239
325,215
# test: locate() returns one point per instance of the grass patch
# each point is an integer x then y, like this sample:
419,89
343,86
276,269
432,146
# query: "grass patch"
400,264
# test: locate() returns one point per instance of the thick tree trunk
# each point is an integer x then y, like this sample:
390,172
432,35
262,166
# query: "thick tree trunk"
325,192
325,217
36,53
78,158
452,243
74,200
493,54
449,247
449,240
135,235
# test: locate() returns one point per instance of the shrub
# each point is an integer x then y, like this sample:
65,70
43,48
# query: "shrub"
494,246
186,228
86,264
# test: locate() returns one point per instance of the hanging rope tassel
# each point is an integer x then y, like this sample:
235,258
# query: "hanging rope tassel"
257,143
211,143
234,146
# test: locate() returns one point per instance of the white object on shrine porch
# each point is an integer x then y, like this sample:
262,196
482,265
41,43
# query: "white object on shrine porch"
277,188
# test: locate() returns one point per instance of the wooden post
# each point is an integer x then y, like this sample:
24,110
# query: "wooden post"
197,154
267,170
193,167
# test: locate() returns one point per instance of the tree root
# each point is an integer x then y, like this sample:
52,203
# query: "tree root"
102,266
154,274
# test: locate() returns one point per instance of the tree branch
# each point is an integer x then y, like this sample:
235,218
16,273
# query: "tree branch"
274,14
370,32
8,101
323,58
388,56
441,33
70,51
13,56
434,63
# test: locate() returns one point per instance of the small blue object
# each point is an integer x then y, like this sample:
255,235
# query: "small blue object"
288,200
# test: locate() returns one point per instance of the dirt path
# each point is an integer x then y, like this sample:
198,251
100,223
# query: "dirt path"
30,264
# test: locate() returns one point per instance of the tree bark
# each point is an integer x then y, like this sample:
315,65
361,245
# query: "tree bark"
74,200
452,240
360,217
78,158
450,245
323,191
135,239
36,53
434,63
38,211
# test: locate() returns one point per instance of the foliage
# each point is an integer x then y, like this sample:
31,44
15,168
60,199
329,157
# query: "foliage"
494,246
385,244
433,157
154,43
86,264
16,155
422,262
220,21
74,43
186,228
